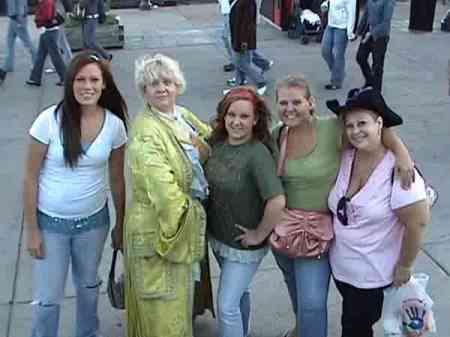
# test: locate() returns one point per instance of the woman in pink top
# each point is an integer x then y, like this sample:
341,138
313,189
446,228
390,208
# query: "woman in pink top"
378,225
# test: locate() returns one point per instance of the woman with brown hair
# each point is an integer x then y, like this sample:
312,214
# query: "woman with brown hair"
73,146
246,198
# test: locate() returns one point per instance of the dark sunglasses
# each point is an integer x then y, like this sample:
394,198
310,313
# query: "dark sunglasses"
342,210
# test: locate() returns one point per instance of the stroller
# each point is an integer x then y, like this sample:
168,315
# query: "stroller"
307,21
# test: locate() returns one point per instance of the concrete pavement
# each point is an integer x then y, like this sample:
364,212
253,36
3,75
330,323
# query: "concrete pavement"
416,86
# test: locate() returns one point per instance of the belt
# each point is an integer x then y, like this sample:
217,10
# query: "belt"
93,16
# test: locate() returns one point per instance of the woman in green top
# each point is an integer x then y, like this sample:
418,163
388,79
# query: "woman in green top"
246,199
308,169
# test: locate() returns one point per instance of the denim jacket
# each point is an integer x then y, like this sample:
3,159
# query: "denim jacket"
377,18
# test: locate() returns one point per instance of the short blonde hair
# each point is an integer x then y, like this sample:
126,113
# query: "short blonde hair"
293,81
149,68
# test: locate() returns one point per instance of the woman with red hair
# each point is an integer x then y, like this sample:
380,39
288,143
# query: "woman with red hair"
246,199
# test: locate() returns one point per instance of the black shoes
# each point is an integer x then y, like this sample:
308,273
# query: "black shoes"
33,83
330,86
2,76
229,67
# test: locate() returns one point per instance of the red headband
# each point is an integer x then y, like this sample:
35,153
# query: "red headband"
242,93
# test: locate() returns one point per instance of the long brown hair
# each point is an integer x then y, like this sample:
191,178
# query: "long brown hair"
262,113
70,109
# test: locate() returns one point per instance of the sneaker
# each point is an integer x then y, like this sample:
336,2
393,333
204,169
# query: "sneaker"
330,86
33,83
232,82
261,90
229,67
50,70
269,66
59,84
2,76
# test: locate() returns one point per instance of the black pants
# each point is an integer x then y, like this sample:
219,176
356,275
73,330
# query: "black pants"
373,75
361,309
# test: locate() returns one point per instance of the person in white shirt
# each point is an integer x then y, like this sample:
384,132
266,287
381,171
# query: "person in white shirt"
341,23
73,147
224,7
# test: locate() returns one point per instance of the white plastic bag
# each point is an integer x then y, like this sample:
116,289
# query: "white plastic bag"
407,311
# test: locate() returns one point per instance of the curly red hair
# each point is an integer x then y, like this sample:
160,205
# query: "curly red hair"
262,113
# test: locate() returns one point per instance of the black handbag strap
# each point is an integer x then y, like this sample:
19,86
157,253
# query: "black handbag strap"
112,270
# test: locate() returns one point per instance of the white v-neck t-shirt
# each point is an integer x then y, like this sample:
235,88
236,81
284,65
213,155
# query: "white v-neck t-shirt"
364,253
82,191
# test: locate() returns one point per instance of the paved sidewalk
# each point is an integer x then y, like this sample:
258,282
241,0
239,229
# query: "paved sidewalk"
416,85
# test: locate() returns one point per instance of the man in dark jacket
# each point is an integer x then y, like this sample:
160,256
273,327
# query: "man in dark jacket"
17,28
243,40
374,29
93,13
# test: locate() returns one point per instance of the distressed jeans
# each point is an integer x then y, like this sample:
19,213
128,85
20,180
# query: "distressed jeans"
66,244
17,29
308,281
233,297
334,44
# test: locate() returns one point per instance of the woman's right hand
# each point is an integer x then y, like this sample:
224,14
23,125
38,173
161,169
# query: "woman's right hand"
35,245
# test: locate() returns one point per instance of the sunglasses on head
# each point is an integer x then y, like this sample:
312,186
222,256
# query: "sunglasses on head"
342,210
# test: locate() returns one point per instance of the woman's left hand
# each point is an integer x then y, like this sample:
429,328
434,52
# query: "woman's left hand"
250,237
405,170
117,238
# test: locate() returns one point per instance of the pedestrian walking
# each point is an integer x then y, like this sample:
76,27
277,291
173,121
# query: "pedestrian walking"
17,28
341,23
243,41
49,22
74,146
374,29
421,15
93,13
64,46
224,8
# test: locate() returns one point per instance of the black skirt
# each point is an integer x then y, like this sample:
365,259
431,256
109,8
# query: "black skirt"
421,15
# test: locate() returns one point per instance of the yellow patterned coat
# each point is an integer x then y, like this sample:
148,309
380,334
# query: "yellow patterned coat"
164,229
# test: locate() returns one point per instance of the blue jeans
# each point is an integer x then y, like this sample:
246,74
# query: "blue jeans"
233,298
244,67
308,281
17,29
64,46
81,244
226,36
48,45
334,44
89,31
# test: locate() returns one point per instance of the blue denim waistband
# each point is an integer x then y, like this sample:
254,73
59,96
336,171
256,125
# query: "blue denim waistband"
73,226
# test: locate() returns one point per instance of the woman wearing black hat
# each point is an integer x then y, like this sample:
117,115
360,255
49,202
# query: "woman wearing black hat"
378,225
310,151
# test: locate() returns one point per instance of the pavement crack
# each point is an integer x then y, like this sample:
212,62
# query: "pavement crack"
436,262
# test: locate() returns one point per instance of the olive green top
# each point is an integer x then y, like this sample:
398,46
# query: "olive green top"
241,179
309,179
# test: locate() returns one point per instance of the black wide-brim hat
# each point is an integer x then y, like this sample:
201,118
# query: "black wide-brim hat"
366,98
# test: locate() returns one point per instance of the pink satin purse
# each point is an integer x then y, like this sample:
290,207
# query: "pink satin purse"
302,234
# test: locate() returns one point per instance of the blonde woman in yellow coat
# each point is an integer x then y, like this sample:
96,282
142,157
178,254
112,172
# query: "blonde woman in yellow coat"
165,223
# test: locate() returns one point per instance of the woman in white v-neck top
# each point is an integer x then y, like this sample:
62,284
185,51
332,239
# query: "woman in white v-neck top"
74,147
